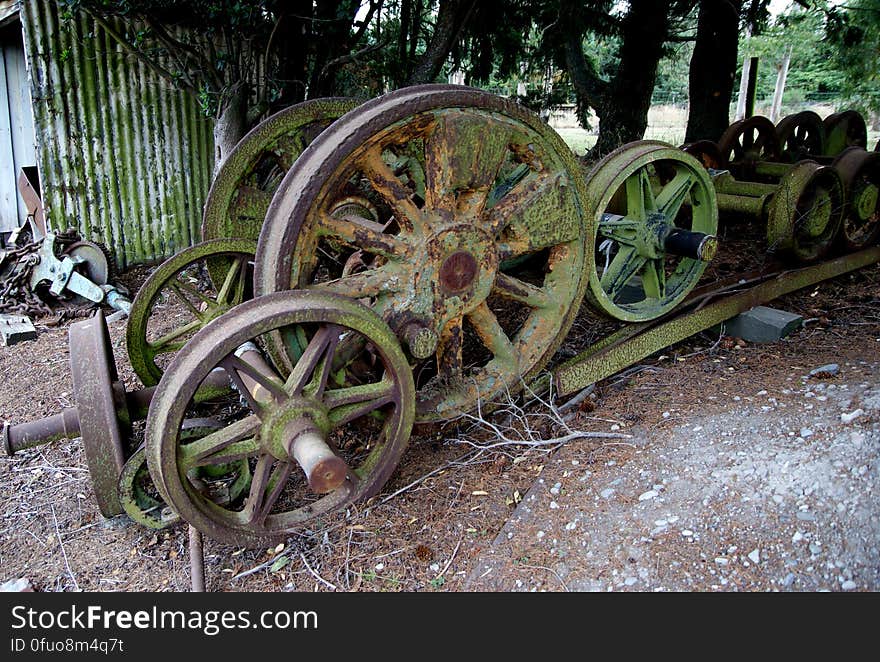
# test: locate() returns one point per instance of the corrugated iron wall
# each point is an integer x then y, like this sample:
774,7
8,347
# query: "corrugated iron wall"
124,157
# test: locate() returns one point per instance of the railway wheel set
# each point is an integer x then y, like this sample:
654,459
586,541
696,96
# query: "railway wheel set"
368,267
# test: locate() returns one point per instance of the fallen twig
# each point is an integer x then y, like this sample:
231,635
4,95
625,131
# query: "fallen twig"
63,552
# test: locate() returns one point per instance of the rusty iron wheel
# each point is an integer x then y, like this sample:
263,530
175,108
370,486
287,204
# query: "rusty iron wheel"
845,129
138,494
707,153
100,403
860,172
656,218
240,193
747,141
203,281
363,411
801,136
477,258
805,213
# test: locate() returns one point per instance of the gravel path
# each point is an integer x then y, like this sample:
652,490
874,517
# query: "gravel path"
774,490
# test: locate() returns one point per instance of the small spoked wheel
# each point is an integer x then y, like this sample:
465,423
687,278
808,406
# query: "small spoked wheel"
748,141
805,213
240,194
860,172
845,129
317,437
185,293
140,499
656,220
707,153
801,136
458,216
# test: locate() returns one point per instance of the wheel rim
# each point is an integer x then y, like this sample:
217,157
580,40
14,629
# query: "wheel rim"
842,130
100,402
805,213
801,136
185,293
240,194
860,172
485,196
275,504
138,494
747,141
641,194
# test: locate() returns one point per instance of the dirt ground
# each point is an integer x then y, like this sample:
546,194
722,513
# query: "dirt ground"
734,471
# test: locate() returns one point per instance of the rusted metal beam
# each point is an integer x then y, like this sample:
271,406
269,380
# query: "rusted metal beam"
626,347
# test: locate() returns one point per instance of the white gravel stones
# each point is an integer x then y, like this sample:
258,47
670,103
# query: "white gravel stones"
755,556
647,496
850,417
848,585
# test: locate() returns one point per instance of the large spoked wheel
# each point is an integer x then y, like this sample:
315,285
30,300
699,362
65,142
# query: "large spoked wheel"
842,130
316,438
805,213
860,172
182,296
476,254
244,186
801,136
748,141
656,220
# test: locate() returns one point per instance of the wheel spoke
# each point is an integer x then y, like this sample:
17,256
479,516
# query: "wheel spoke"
347,404
289,148
493,337
194,291
365,234
392,190
639,195
369,283
513,207
251,202
315,359
269,382
518,290
235,275
462,160
623,267
619,228
177,288
166,343
215,448
674,194
654,279
449,361
266,486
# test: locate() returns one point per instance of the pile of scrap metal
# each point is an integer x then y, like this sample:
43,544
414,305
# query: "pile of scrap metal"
41,270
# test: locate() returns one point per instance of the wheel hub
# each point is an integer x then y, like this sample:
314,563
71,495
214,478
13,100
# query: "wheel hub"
287,420
651,237
865,201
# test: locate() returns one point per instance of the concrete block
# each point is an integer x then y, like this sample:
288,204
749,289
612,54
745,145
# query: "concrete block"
762,324
15,329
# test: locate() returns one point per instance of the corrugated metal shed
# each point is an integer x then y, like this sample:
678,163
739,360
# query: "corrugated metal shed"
124,157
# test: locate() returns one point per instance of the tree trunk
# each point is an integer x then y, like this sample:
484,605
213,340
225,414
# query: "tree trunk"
713,69
622,103
451,17
623,116
230,125
293,37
